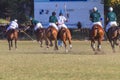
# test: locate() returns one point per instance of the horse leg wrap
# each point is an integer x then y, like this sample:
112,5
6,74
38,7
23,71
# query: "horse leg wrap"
99,46
93,45
70,46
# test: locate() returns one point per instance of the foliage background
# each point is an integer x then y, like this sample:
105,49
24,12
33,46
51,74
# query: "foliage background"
116,6
20,9
23,9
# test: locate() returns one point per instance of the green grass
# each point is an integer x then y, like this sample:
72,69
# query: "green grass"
30,62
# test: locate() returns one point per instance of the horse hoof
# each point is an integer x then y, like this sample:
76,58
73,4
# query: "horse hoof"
51,45
55,48
99,50
41,46
66,50
114,51
93,49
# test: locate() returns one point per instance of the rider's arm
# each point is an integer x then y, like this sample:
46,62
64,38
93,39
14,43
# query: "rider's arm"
90,17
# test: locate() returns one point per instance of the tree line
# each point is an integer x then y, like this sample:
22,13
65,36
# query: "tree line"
116,6
23,9
19,9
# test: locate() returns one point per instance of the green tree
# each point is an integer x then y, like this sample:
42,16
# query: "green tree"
116,6
20,9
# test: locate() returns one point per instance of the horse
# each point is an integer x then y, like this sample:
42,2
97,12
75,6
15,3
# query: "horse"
12,34
40,36
64,34
113,36
97,34
51,34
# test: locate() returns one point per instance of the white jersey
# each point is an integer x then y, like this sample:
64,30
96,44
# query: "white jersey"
13,25
61,21
38,25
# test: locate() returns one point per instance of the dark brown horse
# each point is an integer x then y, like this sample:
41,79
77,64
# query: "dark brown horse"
40,36
64,35
97,34
114,36
12,34
51,34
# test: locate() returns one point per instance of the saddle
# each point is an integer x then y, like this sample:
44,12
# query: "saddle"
10,31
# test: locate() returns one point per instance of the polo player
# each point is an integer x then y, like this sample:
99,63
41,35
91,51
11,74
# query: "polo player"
95,17
13,25
111,18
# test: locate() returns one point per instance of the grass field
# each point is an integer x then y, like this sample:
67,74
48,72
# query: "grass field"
30,62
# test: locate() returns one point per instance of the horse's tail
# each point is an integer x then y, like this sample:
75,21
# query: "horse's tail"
96,31
49,32
64,32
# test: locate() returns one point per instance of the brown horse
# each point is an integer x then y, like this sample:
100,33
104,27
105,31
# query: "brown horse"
113,36
97,34
12,34
40,36
51,34
64,35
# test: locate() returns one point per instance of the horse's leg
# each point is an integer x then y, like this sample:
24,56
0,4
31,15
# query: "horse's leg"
15,43
66,50
112,45
46,41
99,44
41,42
93,45
51,44
56,47
9,43
70,44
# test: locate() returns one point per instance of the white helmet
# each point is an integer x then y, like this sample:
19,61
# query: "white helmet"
15,20
110,9
95,8
31,18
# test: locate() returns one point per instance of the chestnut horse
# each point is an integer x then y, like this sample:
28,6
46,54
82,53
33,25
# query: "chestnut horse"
51,34
64,34
40,36
97,34
12,34
114,36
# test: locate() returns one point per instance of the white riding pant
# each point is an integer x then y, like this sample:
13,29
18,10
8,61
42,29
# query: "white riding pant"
38,25
99,23
62,25
112,23
54,25
11,28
